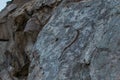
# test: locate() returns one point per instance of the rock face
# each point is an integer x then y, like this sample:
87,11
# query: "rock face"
60,40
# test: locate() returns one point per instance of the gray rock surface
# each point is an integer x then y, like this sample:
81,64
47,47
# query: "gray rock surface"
61,40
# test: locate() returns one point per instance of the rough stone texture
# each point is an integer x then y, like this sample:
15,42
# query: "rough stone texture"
60,40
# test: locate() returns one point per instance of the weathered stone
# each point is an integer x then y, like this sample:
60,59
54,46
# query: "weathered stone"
88,56
7,10
3,46
6,74
20,2
60,40
32,25
4,34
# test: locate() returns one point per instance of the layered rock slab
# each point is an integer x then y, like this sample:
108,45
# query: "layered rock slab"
80,42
